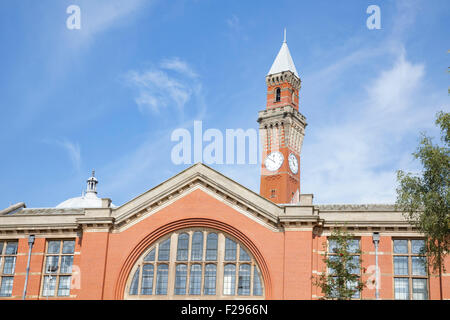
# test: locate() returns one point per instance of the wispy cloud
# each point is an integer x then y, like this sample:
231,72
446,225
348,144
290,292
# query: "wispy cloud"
72,149
173,84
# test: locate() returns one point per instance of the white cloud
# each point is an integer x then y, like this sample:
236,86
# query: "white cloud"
72,149
159,88
355,159
180,66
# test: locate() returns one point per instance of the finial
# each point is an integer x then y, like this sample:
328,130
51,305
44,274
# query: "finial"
93,173
284,35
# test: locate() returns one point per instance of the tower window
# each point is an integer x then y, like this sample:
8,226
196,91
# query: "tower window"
277,95
272,193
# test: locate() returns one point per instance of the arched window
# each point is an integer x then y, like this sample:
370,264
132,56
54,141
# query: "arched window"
147,279
161,279
277,95
183,245
203,262
210,280
180,279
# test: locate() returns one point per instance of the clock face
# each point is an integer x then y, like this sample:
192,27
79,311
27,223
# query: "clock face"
293,163
274,161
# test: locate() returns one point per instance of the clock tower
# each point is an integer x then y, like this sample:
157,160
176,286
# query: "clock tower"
281,128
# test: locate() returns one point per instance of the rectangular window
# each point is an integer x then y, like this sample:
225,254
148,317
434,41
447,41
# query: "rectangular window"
8,253
354,265
410,270
58,268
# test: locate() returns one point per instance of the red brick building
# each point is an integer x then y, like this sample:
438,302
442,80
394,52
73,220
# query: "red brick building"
201,235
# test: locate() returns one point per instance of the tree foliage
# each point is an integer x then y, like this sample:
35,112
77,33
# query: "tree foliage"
342,280
424,198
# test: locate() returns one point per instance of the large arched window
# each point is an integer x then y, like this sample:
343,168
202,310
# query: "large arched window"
195,263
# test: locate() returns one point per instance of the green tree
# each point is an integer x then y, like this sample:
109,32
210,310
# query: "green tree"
424,197
342,280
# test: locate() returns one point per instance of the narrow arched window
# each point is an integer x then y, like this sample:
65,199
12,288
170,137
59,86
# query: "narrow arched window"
197,246
230,250
135,283
180,279
183,245
229,279
210,280
211,247
195,279
147,279
244,280
257,287
164,251
277,95
161,279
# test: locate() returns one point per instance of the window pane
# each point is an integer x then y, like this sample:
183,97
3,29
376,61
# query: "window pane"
195,279
53,246
353,245
49,286
257,288
243,255
229,279
11,248
150,256
68,246
401,266
401,287
400,246
352,285
332,259
419,287
419,266
9,265
1,247
244,280
230,250
161,279
64,286
197,246
6,286
418,246
51,265
182,250
210,280
332,246
353,265
164,251
147,279
66,264
135,283
180,279
211,247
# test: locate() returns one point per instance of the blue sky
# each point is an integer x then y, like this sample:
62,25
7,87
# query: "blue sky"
108,96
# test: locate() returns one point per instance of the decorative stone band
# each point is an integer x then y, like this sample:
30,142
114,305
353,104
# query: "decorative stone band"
285,76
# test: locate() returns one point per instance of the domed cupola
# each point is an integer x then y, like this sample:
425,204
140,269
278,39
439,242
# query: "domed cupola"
88,200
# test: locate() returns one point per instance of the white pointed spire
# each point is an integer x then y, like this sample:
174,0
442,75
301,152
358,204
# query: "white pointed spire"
283,61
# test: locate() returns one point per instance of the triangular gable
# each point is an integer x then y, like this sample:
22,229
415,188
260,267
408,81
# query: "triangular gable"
210,181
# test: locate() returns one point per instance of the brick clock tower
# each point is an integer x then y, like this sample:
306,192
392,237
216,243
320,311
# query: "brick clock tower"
281,128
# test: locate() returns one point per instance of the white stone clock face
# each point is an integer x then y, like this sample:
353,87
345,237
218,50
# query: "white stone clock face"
274,161
293,163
